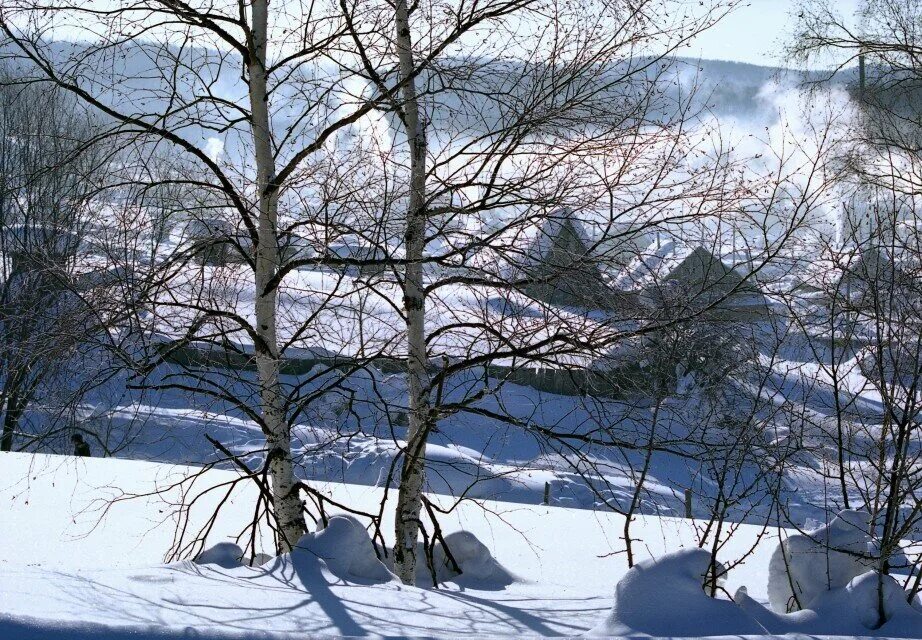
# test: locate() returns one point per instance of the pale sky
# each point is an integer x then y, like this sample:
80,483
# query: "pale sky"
753,33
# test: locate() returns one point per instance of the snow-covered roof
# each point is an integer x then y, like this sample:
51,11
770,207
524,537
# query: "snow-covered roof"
549,233
668,260
205,228
336,313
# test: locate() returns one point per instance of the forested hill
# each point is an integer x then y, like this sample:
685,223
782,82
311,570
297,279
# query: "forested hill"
464,96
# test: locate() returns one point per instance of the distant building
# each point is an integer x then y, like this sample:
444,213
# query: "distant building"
293,246
217,242
685,280
845,271
352,256
561,268
210,240
38,247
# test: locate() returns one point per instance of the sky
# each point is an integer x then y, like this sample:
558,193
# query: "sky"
753,33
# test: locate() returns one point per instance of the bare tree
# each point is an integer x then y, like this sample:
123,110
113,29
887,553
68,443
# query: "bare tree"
872,295
137,49
49,179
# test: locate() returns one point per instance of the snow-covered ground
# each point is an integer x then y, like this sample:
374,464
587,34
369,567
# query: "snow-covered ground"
66,573
76,564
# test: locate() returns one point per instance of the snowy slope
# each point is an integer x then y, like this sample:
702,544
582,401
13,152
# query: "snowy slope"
566,562
353,433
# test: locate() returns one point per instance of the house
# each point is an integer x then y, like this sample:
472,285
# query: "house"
38,247
353,256
686,280
294,246
561,267
210,240
847,272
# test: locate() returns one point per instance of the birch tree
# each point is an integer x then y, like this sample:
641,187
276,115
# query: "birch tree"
505,146
138,68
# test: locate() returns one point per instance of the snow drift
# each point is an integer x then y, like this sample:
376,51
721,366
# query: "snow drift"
226,555
345,549
479,569
665,597
852,610
810,564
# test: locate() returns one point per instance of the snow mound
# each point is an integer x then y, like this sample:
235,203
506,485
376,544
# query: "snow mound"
665,597
259,559
863,599
818,561
847,611
345,548
226,555
478,566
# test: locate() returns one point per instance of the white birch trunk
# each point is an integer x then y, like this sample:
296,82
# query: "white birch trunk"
286,499
412,476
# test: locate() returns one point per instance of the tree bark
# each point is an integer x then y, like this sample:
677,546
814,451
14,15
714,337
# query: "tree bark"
286,499
412,476
6,441
13,410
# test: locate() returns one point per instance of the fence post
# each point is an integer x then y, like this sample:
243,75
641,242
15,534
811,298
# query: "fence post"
547,493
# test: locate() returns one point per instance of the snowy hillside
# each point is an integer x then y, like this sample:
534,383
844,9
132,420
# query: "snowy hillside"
718,88
97,571
86,577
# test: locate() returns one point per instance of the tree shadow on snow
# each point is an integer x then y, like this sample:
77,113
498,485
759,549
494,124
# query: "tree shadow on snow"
301,595
507,610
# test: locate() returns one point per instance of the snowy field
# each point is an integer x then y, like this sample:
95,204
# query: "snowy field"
350,435
73,569
66,573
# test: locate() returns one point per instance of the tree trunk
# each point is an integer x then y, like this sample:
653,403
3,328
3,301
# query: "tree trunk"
638,490
6,441
412,476
285,495
13,410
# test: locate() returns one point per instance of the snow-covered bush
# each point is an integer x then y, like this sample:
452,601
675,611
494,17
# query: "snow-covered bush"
665,597
852,610
258,560
867,592
226,555
345,548
809,564
477,564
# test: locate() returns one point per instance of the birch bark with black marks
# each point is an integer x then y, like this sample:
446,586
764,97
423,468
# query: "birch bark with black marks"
285,496
412,475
